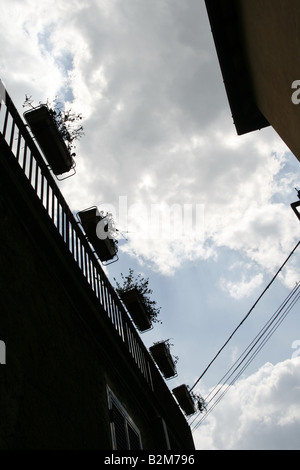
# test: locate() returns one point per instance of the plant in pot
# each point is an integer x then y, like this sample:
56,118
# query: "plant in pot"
135,294
188,401
100,231
55,130
160,352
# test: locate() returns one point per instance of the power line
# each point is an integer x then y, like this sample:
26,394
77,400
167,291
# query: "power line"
228,386
255,347
246,316
246,365
258,336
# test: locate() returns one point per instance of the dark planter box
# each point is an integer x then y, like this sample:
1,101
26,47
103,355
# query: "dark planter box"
161,354
135,305
184,399
105,248
49,139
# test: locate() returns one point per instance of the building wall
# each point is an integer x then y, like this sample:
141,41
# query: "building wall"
272,37
61,351
54,391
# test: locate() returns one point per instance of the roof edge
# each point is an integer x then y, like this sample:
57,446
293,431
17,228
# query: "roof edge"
225,20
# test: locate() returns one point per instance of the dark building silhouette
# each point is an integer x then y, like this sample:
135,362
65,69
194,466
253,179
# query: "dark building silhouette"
257,43
77,375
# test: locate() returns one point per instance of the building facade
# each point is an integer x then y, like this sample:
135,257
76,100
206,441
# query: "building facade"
257,43
76,373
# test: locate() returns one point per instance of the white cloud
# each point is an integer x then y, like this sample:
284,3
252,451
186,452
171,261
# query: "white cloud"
258,412
157,123
243,288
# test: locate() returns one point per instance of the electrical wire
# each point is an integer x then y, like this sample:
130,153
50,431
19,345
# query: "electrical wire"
228,386
258,337
246,316
255,347
264,330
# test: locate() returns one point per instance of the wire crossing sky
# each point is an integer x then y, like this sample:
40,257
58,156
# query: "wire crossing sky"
254,347
246,316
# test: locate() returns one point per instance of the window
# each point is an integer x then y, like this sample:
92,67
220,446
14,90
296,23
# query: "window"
125,434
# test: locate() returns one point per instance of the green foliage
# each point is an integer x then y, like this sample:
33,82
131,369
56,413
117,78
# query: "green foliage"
142,285
201,404
168,345
66,121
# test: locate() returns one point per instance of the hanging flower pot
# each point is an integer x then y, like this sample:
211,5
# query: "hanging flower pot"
135,304
185,399
50,140
189,401
135,294
163,358
99,230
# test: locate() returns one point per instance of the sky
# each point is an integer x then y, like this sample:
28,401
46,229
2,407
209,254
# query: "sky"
203,213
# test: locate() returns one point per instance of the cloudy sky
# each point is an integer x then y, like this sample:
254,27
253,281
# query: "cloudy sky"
204,213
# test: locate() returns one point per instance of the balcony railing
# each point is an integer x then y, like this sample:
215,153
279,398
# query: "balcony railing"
28,156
